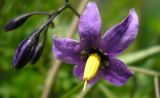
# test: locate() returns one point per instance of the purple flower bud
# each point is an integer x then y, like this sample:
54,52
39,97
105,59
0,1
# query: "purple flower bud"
39,48
25,51
16,22
37,53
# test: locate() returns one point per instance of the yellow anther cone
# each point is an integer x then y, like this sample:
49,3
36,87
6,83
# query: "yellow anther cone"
91,68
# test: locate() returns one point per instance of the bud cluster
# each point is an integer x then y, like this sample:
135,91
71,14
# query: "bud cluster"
30,49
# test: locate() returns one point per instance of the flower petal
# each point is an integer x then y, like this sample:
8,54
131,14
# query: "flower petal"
67,50
90,25
78,71
118,38
117,73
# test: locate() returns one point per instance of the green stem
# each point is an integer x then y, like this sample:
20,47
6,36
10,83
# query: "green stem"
156,82
144,71
134,57
39,13
74,11
53,15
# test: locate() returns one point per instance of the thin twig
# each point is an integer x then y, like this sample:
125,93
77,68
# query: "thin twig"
144,71
55,67
74,11
50,77
53,15
140,55
38,13
156,84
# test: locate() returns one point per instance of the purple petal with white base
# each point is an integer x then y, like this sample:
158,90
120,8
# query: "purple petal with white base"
67,50
119,37
117,72
90,26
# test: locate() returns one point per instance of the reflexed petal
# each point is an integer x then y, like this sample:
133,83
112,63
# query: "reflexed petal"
67,50
90,25
78,71
117,73
120,36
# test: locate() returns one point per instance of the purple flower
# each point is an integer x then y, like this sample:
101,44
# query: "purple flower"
95,54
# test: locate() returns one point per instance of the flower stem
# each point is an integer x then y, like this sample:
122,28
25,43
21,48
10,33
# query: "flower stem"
39,13
74,11
85,84
156,84
50,78
53,15
140,55
144,71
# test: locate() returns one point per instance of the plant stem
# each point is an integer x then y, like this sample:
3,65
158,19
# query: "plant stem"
144,71
74,11
156,84
39,13
50,77
53,15
140,55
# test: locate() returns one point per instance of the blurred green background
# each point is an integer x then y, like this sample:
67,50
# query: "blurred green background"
29,82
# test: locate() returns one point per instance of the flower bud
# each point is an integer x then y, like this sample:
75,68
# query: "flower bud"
39,48
25,51
16,22
37,53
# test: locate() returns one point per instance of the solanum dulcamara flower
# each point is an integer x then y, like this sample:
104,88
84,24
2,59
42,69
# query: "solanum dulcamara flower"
94,55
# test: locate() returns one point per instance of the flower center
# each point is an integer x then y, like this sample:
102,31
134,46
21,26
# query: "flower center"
95,59
104,57
91,68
